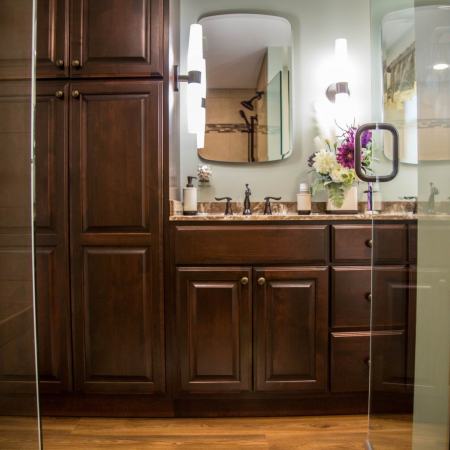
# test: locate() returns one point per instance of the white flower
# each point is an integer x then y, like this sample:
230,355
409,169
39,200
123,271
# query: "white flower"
324,162
337,174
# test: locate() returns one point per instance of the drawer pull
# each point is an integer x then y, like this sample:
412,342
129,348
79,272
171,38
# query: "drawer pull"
367,361
76,63
261,281
244,281
59,94
60,63
75,93
369,243
368,296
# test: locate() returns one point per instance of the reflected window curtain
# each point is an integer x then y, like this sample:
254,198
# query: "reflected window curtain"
400,79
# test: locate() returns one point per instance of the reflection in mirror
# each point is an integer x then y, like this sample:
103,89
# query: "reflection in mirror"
248,106
406,35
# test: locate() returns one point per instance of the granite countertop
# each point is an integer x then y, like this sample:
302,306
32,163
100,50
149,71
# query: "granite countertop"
204,217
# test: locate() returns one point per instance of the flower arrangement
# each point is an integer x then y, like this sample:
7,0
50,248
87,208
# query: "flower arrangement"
334,164
204,173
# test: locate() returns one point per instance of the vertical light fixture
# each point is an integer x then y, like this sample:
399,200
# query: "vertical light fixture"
194,88
339,92
202,124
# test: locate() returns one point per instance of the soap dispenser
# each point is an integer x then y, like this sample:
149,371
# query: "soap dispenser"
190,198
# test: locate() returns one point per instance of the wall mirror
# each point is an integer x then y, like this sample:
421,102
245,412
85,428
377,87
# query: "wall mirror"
249,101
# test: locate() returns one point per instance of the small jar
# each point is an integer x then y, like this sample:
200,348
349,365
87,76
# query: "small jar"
304,200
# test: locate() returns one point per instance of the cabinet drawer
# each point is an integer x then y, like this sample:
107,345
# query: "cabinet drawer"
352,243
350,362
241,244
351,302
350,305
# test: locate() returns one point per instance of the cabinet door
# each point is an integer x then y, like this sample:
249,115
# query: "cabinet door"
116,38
214,329
291,328
116,224
51,231
51,38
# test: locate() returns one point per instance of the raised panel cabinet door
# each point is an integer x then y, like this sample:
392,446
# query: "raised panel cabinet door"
214,328
51,38
116,38
291,329
51,236
116,227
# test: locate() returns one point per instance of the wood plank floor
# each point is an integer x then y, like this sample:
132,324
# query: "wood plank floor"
306,433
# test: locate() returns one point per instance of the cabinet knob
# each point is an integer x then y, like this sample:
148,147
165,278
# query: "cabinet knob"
244,281
367,361
369,243
59,94
75,93
261,281
60,63
76,63
369,296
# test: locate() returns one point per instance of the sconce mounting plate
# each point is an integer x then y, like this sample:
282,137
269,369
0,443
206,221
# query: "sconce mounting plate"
337,88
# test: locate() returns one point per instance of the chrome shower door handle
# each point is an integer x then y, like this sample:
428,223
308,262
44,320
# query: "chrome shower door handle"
395,152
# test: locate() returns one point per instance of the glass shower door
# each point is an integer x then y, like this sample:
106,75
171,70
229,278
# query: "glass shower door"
19,403
410,295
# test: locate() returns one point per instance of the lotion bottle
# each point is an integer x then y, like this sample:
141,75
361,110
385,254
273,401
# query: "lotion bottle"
190,198
304,200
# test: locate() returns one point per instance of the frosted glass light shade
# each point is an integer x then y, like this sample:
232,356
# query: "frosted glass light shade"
341,60
194,89
202,124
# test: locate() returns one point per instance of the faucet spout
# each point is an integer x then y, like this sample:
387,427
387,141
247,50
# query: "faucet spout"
247,205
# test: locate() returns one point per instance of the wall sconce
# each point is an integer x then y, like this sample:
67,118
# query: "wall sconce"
202,125
196,80
339,90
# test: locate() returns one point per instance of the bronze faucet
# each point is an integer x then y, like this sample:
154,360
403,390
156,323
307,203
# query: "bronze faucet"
247,204
268,206
228,209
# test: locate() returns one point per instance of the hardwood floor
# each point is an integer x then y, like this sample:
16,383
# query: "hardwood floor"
306,433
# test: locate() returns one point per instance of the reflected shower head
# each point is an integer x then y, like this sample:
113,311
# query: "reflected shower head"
247,123
248,104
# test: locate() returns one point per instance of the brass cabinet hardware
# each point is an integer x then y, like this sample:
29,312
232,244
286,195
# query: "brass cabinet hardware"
60,63
59,94
75,93
76,63
244,281
261,281
369,243
369,296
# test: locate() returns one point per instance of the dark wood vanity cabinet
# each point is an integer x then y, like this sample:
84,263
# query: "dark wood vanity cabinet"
309,336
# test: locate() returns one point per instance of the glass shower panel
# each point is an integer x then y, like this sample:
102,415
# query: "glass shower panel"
19,410
410,314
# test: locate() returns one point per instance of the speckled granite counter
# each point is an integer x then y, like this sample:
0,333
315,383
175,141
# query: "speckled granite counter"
290,217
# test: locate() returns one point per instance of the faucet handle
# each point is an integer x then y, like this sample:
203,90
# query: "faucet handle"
228,210
268,206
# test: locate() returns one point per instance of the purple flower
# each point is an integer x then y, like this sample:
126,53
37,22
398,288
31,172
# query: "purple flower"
366,139
345,155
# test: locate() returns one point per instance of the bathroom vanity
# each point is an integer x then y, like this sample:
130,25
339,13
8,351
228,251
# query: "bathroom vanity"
271,314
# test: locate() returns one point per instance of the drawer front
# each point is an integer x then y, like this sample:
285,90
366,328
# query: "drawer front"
350,305
350,362
243,244
352,243
352,297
